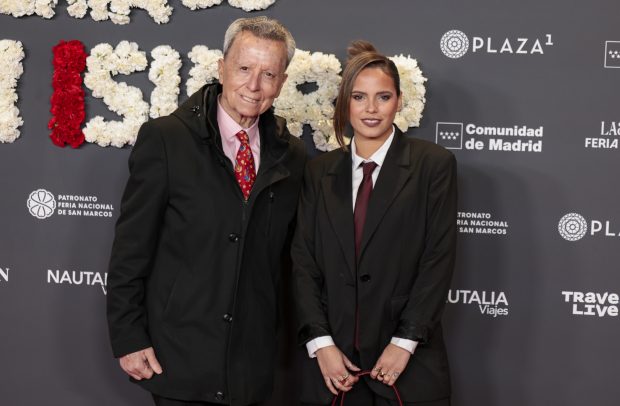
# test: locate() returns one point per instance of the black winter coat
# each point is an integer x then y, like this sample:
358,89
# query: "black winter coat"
194,268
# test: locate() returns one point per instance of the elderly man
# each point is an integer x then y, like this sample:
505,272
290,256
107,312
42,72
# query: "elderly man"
205,217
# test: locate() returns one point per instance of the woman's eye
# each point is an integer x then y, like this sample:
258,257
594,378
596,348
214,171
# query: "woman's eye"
357,97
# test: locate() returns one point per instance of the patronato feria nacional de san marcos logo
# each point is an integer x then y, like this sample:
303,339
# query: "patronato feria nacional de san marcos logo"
41,204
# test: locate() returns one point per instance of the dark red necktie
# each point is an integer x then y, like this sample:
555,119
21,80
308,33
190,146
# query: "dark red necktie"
359,217
361,204
244,165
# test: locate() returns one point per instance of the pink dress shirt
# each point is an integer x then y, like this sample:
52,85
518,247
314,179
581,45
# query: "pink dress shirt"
230,143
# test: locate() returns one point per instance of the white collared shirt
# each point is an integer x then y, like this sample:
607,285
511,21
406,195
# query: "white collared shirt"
357,176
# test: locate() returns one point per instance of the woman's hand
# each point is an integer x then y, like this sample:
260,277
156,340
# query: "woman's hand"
390,364
336,369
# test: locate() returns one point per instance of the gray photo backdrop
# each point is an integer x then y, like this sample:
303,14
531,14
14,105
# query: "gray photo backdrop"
532,317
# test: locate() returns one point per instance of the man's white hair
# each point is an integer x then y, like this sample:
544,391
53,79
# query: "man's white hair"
262,27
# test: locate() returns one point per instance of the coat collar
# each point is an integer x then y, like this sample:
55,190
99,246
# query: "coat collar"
338,189
199,114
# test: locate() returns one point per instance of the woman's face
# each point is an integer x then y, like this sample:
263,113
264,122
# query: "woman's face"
373,105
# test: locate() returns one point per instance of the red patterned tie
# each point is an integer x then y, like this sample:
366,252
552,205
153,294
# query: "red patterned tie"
244,165
359,218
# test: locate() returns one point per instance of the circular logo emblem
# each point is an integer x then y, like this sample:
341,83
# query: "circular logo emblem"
573,227
41,204
454,44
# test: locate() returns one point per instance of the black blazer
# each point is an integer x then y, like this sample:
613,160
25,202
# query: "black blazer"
194,268
403,273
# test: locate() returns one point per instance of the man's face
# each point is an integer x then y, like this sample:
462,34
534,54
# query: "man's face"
252,75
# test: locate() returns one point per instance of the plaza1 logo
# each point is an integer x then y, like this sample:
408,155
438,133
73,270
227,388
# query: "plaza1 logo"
76,278
612,54
607,138
592,303
474,137
489,303
42,204
469,222
4,274
455,44
574,226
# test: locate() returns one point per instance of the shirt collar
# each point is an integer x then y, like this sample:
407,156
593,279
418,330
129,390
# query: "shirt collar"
378,157
229,127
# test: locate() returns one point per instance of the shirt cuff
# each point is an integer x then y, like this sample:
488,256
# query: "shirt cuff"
314,345
405,344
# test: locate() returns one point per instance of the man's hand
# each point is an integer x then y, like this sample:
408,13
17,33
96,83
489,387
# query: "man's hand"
390,364
141,364
335,368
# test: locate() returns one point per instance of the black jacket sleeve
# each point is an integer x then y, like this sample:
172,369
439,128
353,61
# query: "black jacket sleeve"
430,290
135,242
307,276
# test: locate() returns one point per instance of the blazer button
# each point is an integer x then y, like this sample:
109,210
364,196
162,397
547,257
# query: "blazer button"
233,237
365,278
228,317
219,396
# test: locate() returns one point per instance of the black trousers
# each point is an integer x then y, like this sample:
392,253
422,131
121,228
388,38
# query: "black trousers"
362,395
159,401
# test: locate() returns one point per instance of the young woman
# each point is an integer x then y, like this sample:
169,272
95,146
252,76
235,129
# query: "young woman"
374,251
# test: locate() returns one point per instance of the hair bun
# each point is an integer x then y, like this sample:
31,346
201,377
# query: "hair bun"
360,46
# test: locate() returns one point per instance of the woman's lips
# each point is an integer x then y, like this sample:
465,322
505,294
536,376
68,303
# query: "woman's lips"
371,122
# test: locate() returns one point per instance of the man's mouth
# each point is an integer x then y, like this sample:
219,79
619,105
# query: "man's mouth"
249,100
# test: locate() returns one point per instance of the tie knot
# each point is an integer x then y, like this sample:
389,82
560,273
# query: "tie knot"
368,168
243,137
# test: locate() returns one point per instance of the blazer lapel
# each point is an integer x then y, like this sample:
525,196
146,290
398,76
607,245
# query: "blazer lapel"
393,176
337,189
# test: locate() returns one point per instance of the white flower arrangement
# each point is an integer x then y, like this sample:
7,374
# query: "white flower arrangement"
251,5
118,10
205,67
413,91
316,108
103,63
164,73
198,4
11,68
20,8
247,5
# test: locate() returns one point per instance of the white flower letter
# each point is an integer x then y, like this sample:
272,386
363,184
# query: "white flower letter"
118,10
196,4
251,5
11,54
315,108
103,63
20,8
413,90
205,67
164,73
